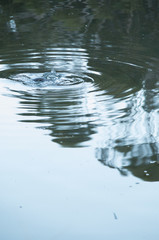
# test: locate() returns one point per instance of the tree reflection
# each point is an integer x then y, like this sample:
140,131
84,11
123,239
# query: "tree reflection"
137,150
63,112
140,160
86,19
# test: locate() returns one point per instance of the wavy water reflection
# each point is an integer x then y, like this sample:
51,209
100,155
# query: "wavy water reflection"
116,111
64,112
131,144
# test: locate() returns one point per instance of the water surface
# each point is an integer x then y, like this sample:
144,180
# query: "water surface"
79,156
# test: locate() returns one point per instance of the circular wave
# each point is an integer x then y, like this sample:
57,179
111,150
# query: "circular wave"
81,101
63,79
27,65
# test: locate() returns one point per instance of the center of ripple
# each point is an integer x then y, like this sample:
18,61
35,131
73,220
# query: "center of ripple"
47,79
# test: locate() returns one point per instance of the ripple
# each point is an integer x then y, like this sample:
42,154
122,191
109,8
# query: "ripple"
63,79
70,63
121,62
64,112
95,99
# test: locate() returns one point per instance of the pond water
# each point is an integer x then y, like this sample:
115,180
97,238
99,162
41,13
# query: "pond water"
79,155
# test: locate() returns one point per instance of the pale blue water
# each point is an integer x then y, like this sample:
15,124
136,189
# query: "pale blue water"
79,156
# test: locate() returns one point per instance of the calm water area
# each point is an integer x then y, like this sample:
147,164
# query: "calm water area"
79,153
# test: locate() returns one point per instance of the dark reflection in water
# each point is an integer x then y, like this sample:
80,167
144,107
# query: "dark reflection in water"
140,160
108,53
134,148
64,112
